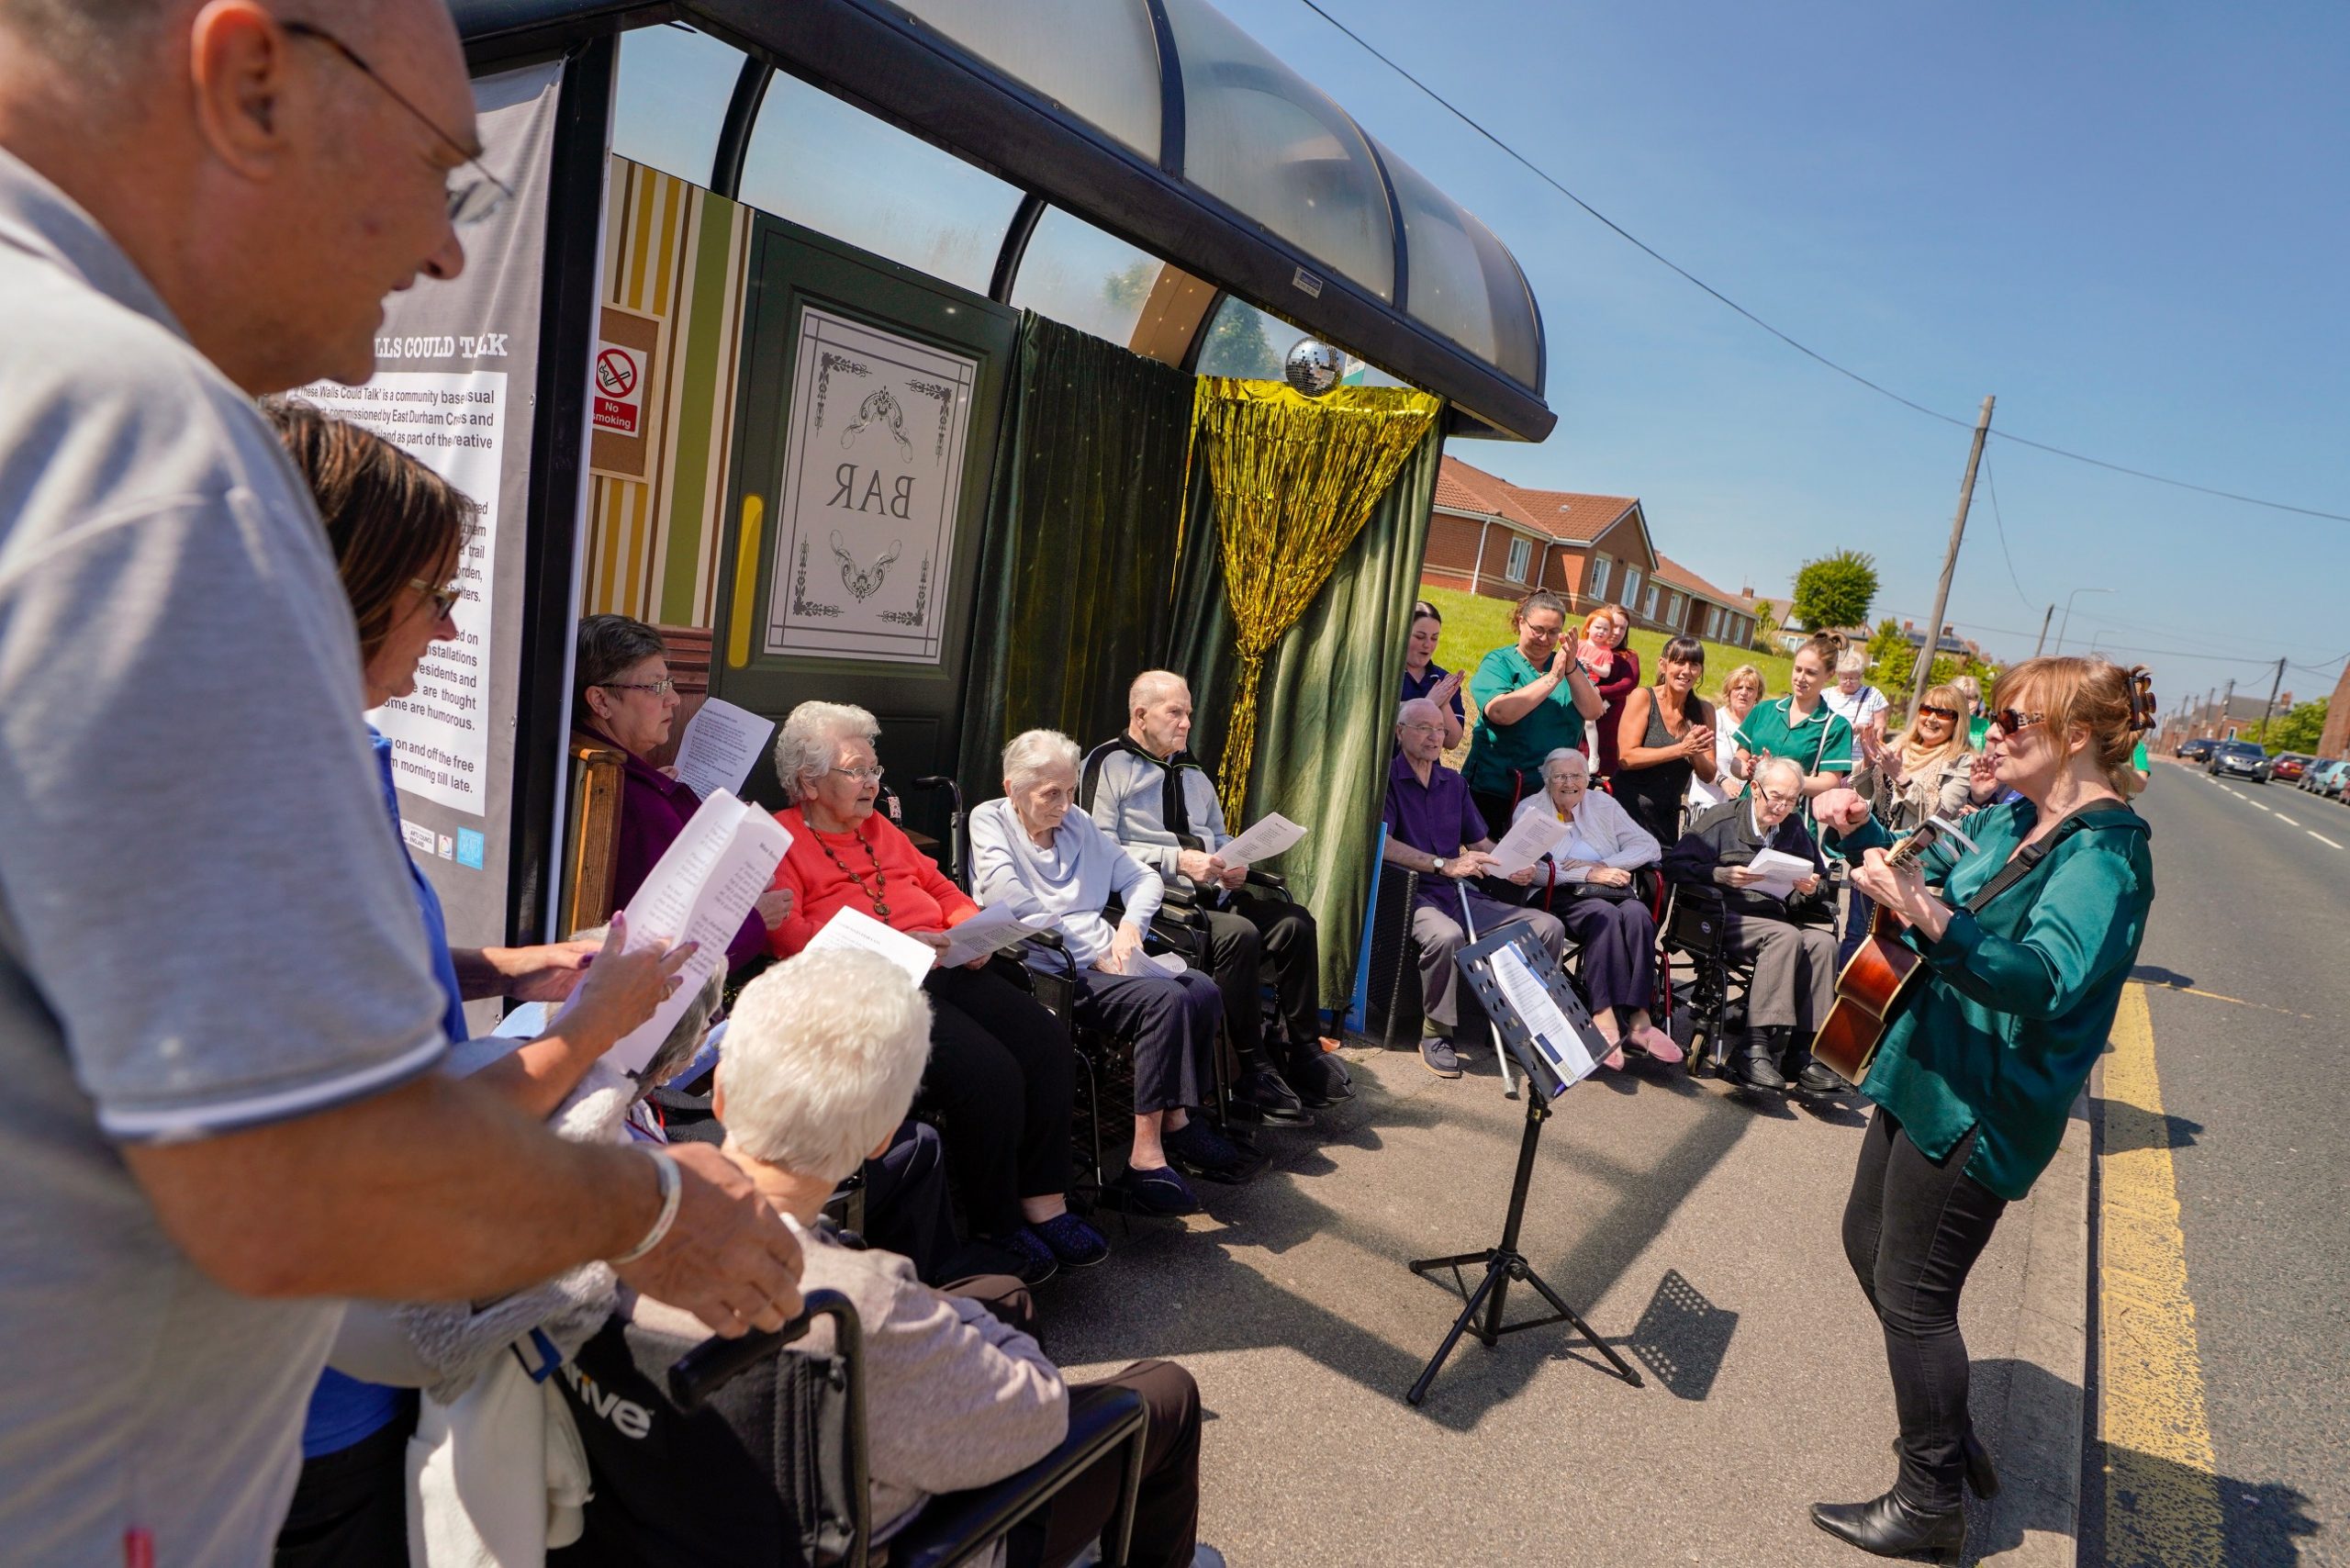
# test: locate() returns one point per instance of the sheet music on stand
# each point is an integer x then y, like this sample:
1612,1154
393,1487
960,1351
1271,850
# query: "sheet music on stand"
1539,1019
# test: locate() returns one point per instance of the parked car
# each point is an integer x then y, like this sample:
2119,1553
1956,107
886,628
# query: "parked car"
2196,750
2327,778
2239,759
2289,765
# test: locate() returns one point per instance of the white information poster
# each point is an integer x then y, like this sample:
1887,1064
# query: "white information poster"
455,423
872,476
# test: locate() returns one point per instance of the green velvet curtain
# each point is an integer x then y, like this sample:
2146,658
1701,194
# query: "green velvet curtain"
1082,530
1325,717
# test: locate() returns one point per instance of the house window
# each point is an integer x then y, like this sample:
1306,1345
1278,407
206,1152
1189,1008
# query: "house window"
1631,585
1521,551
1713,623
1648,609
1672,611
1599,565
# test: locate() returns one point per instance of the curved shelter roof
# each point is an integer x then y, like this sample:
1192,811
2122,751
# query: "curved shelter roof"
1160,122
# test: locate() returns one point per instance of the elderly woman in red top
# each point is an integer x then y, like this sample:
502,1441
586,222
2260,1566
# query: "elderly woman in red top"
1001,1069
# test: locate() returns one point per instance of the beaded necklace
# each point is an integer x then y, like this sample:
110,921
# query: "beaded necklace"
875,895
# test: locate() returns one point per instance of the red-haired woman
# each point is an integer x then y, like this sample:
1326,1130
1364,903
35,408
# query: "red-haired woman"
2027,945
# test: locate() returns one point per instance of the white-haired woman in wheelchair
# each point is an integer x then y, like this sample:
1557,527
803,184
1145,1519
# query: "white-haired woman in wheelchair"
1029,848
1595,881
1000,1071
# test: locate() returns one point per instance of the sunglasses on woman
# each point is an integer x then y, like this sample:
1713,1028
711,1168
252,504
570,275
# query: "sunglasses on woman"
2010,720
1948,715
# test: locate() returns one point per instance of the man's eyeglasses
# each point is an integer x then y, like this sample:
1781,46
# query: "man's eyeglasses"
1421,729
661,688
470,200
1778,797
2010,720
1949,714
444,600
862,775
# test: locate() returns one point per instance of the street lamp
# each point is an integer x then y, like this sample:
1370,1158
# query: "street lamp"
2068,614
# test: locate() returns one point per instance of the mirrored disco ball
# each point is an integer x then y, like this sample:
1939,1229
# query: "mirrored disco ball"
1312,368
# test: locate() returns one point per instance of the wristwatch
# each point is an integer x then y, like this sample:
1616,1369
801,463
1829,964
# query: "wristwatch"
1436,869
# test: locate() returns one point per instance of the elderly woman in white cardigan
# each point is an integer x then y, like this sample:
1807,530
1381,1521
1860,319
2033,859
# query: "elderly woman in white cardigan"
1029,848
1587,877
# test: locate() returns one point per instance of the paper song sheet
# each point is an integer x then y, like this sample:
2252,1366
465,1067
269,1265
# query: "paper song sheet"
699,891
1273,834
997,925
1528,839
720,747
1781,872
851,928
1168,964
1555,1036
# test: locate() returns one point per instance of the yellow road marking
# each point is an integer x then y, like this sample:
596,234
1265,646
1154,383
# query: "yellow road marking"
2236,1001
2162,1489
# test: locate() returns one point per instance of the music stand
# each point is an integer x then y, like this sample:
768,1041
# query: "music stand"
1543,1083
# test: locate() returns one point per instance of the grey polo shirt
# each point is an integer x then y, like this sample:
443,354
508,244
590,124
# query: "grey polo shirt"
205,923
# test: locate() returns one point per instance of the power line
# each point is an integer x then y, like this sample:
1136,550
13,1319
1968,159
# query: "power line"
2000,523
1806,350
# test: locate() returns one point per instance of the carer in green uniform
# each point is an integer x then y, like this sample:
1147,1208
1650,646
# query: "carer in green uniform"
1985,1054
1545,696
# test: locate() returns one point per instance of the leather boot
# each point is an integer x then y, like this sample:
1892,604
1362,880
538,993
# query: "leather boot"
1755,1062
1892,1526
1982,1478
1809,1075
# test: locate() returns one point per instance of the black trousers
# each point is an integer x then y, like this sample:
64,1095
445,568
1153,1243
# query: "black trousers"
1912,1230
1172,1023
1166,1513
1253,939
1002,1076
350,1507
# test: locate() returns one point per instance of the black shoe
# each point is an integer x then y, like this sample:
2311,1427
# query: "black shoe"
1196,1149
1819,1078
1753,1066
1892,1526
1277,1103
1322,1081
1981,1479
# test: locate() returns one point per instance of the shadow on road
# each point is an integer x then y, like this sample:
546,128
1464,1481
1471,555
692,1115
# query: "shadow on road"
2154,974
1682,1337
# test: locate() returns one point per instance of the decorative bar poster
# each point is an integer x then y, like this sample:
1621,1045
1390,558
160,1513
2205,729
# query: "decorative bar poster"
872,477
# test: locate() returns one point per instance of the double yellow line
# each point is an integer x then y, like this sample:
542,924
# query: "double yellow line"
2162,1488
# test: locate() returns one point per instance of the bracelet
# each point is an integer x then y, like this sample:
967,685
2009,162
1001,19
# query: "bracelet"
673,1191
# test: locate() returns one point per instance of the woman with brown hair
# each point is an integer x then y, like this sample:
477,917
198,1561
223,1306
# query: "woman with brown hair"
398,532
2027,945
1665,739
1800,726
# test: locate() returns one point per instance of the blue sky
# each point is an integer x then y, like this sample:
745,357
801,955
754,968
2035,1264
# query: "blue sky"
2128,221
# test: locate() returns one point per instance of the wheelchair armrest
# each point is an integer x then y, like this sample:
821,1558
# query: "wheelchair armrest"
1271,881
957,1526
1181,892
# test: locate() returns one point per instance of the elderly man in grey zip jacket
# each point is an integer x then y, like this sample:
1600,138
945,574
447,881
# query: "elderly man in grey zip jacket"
1151,795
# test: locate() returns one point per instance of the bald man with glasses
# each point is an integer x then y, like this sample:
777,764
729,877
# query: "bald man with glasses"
219,1022
1794,959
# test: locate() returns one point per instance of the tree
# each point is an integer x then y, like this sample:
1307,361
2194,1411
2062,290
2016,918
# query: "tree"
1836,591
1887,639
2297,730
1765,623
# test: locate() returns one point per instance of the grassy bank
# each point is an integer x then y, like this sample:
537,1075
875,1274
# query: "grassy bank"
1475,625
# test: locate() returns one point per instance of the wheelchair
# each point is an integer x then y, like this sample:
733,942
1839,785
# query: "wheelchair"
1696,926
743,1453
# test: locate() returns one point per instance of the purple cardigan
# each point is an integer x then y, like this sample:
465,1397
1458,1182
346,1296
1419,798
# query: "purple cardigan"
654,809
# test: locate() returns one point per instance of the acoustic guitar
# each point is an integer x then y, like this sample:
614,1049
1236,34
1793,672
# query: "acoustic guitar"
1883,969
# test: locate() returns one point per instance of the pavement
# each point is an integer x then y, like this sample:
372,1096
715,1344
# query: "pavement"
1694,1225
2220,1409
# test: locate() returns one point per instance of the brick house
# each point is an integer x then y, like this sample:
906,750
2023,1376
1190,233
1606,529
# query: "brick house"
1504,540
1688,603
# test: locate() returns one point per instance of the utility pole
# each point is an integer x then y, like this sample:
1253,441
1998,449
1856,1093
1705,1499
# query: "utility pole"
2270,706
1950,563
2044,620
2227,701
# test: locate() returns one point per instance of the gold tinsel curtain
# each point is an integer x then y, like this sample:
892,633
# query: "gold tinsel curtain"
1294,479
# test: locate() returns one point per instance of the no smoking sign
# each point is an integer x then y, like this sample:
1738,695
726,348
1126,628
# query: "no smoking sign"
620,388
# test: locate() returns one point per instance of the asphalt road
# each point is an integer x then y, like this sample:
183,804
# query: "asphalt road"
2248,998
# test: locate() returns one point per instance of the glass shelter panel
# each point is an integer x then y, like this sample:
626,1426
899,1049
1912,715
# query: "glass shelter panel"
1097,58
1463,283
671,99
1270,142
830,166
1084,278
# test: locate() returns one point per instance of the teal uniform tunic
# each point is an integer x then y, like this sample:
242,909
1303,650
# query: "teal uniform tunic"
2016,1001
1495,750
1821,744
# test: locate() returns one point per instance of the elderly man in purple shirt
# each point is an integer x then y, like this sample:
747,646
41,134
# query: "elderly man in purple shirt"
1435,829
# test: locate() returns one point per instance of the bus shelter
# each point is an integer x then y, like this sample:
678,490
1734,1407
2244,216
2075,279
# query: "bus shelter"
927,356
